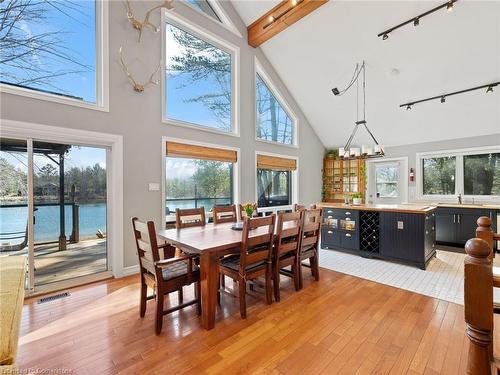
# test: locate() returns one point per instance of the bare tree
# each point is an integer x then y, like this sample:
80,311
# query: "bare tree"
27,57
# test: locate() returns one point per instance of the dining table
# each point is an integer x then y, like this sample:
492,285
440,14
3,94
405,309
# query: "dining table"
210,242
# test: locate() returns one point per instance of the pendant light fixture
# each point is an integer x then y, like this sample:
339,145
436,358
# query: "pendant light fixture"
366,151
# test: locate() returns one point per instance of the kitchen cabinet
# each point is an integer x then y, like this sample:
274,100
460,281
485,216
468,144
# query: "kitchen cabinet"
455,225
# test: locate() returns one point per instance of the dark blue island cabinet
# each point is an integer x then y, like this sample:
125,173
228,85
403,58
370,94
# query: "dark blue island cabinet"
407,235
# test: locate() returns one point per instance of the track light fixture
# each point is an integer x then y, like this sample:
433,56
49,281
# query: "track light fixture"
274,18
416,20
442,98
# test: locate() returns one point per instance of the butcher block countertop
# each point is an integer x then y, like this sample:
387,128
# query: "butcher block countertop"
404,208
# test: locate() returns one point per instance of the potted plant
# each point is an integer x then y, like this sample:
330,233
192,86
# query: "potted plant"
332,154
249,209
357,199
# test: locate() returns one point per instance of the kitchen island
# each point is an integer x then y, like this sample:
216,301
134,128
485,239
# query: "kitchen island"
404,233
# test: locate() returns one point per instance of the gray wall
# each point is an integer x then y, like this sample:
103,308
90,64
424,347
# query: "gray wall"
411,150
138,118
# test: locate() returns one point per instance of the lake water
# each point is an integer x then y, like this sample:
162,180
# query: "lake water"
190,203
92,218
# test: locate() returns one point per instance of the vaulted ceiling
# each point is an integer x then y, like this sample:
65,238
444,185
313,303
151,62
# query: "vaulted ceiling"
448,51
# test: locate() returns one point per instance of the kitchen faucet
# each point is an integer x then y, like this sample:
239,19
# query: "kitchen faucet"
459,198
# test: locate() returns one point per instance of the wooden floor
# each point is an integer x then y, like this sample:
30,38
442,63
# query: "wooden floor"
340,325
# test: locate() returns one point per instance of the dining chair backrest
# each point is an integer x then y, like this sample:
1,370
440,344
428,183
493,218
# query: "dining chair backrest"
190,217
224,214
147,244
311,225
298,207
289,229
257,241
243,214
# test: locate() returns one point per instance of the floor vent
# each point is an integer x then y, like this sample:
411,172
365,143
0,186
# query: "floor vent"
54,297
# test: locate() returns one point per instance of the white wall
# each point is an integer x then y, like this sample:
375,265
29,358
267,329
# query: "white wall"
138,118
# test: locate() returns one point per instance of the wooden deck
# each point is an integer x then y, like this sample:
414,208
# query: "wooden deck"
340,325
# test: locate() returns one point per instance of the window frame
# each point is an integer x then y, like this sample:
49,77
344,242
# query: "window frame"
259,70
459,173
219,42
294,184
102,70
225,20
236,169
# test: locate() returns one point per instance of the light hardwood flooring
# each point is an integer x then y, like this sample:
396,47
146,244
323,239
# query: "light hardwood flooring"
339,325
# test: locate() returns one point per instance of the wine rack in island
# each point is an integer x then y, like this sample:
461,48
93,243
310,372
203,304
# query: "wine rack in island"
342,177
369,237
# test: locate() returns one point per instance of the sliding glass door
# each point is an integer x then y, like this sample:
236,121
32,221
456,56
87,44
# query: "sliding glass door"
63,189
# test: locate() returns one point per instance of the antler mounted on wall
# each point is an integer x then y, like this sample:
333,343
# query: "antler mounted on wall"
138,25
138,87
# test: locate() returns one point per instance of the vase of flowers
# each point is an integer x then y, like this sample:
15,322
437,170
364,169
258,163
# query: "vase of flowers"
249,209
357,199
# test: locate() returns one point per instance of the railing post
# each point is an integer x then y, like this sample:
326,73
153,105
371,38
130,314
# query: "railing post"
485,232
478,305
75,233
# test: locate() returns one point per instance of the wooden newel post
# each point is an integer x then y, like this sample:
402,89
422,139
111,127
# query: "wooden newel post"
485,232
478,298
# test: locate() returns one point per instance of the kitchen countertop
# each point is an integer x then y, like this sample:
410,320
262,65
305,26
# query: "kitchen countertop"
466,205
414,208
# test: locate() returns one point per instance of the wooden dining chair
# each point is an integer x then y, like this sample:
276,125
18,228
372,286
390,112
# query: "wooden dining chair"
164,276
309,242
224,214
190,217
243,214
286,249
255,258
298,207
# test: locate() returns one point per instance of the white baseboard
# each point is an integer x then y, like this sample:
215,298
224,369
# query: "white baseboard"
131,270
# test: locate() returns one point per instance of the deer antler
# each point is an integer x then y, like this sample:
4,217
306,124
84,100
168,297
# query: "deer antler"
138,25
138,87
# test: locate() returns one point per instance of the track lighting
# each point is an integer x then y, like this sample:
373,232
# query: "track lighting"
442,98
335,91
416,20
272,19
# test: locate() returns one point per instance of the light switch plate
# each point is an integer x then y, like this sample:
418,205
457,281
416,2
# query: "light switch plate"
154,186
400,225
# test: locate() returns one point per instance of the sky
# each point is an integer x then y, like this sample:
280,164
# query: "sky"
77,35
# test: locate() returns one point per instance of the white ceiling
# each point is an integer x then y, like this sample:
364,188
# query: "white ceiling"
447,52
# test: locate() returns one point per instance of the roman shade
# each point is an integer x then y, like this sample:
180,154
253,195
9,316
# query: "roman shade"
183,150
276,163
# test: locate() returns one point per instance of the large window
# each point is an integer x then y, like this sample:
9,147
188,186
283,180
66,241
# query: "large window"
199,80
273,122
198,176
205,7
273,188
275,180
482,174
49,46
439,175
473,172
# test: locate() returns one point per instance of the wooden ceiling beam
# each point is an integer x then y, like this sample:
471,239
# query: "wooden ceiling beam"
284,15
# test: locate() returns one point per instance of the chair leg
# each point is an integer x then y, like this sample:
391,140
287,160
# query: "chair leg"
242,288
315,267
223,281
295,273
197,295
269,286
144,294
159,312
181,295
276,282
219,288
300,274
